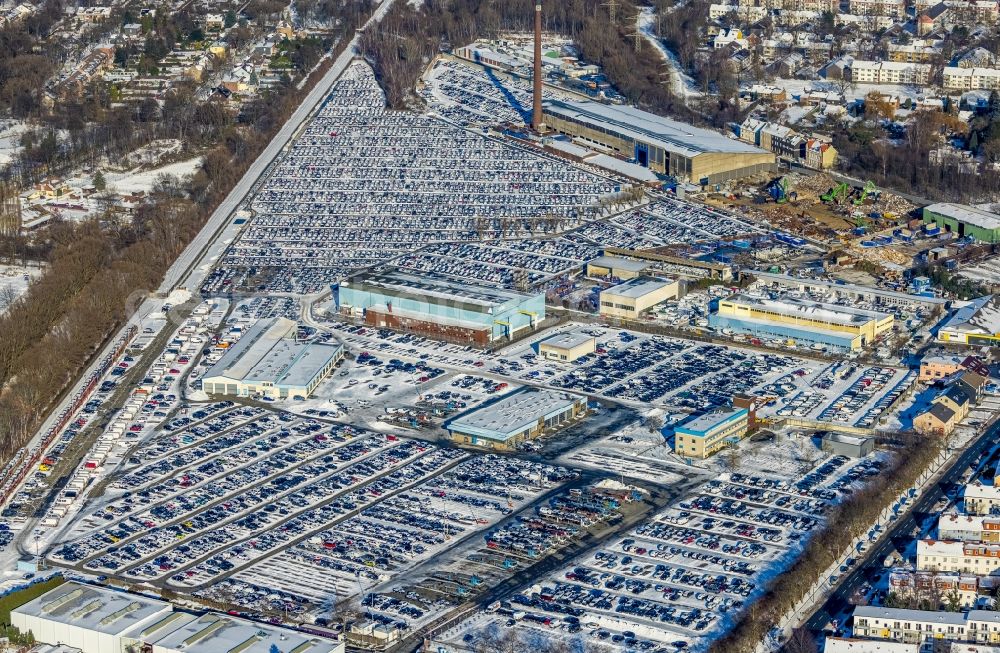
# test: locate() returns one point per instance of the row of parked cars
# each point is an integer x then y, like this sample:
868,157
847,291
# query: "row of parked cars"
363,184
678,574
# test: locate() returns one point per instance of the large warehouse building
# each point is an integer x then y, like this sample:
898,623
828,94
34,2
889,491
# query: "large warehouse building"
663,145
267,360
438,308
101,620
827,325
515,418
963,220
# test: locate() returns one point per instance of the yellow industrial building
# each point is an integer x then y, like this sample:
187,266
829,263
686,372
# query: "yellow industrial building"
832,325
663,145
627,300
704,435
567,347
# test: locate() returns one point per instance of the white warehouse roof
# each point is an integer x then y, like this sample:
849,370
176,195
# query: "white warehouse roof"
221,633
75,613
643,126
514,413
268,352
832,313
96,609
967,214
567,340
638,287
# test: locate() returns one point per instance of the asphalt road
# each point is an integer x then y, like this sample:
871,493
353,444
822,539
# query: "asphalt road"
898,535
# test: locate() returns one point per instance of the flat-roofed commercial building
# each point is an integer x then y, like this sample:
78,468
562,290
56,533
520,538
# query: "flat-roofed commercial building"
267,360
832,325
438,308
934,368
516,417
617,267
102,620
964,220
567,346
222,633
663,145
674,265
627,300
704,435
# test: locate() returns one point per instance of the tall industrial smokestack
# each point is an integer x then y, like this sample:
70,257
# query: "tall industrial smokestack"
536,116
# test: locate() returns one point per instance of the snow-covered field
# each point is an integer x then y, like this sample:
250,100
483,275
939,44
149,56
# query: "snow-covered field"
10,137
683,85
14,281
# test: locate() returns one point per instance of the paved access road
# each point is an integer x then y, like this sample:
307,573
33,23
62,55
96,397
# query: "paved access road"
898,535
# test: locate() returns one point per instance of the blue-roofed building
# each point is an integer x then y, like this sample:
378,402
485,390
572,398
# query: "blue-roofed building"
703,435
438,308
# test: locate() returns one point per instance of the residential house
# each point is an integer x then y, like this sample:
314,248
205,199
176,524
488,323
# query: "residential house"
977,58
939,419
769,94
783,141
215,22
967,588
952,556
821,155
935,18
732,36
749,130
790,64
980,499
972,384
93,14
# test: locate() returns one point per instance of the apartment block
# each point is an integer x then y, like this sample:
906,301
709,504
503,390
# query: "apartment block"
970,79
889,72
917,626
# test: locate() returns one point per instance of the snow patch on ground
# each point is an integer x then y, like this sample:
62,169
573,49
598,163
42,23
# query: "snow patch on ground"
10,139
682,84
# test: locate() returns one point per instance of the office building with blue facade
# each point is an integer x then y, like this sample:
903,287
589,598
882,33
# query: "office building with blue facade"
437,308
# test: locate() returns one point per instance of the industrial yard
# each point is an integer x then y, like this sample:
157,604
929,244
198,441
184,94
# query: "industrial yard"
454,378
